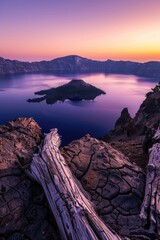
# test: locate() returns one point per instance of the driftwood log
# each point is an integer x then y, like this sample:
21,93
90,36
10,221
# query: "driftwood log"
150,210
73,212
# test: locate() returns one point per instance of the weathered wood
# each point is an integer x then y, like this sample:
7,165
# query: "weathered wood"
73,212
150,210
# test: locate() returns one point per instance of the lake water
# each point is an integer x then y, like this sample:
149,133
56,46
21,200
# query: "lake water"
73,119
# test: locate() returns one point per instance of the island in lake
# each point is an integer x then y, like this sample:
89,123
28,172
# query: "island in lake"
75,90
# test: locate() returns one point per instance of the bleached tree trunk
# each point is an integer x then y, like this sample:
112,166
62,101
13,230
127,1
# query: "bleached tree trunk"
73,212
150,210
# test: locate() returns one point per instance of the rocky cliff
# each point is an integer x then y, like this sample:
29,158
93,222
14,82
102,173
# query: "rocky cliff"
77,64
133,136
147,118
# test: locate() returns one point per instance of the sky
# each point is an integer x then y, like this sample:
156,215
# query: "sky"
32,30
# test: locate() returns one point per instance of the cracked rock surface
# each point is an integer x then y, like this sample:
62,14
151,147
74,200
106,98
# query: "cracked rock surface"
24,212
116,186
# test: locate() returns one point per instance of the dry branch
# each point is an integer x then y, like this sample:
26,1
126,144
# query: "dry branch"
73,212
150,210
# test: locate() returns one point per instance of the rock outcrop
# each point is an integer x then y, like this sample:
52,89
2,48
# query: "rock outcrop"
148,115
75,90
124,124
115,185
77,64
133,136
24,212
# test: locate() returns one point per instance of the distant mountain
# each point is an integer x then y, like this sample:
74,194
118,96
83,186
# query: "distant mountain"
77,64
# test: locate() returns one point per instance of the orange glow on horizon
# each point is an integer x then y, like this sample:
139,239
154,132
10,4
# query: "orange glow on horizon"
118,30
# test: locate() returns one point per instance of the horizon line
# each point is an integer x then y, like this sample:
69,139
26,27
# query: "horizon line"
75,55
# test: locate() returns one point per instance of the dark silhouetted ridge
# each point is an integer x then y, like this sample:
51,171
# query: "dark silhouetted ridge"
77,64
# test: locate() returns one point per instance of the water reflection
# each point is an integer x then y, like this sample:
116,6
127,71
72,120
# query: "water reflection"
73,119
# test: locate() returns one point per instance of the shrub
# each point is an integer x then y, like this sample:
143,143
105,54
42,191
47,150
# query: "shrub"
156,88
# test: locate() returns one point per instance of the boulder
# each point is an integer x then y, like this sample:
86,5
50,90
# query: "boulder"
115,185
24,212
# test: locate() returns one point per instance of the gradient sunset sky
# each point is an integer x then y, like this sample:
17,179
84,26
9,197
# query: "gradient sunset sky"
98,29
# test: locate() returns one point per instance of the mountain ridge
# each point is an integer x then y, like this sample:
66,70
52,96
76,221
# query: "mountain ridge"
78,64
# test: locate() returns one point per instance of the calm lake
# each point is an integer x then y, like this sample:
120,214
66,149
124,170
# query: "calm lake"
73,119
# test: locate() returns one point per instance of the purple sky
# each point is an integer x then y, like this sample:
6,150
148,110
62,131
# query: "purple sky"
100,29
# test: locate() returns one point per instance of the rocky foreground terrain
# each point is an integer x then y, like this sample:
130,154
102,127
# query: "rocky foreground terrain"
113,174
77,64
24,212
